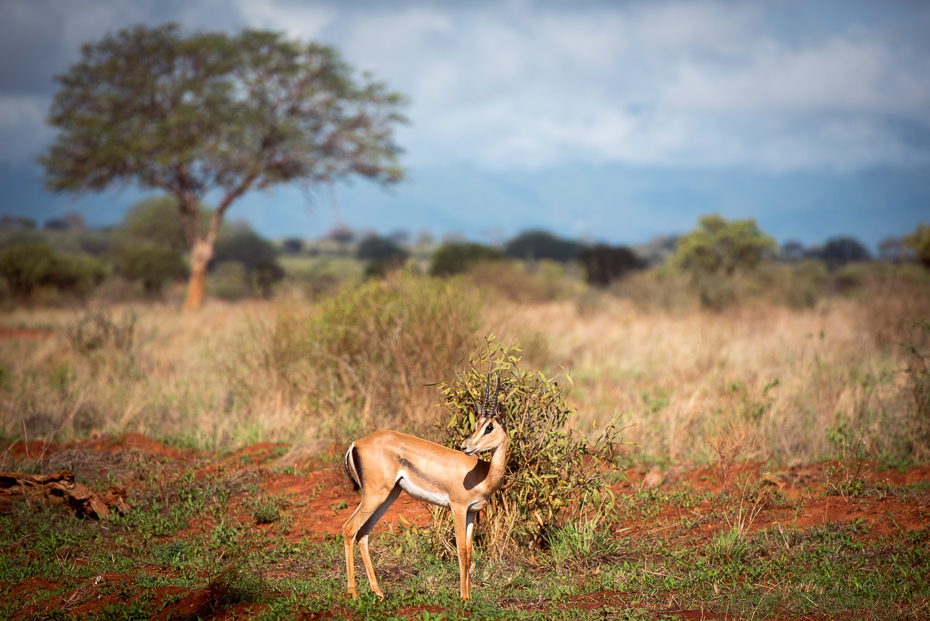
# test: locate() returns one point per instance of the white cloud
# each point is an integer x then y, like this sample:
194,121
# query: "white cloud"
524,85
694,84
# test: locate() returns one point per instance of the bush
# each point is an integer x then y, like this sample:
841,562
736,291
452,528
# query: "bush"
918,372
246,247
362,360
603,263
456,258
839,251
382,254
28,267
513,282
375,247
714,253
151,264
658,289
720,245
534,245
808,282
266,275
716,291
156,221
919,242
851,277
229,281
379,268
549,468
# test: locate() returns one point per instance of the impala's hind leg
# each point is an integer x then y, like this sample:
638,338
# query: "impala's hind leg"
374,504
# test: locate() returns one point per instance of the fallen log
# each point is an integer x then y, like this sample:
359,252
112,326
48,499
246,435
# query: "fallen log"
61,487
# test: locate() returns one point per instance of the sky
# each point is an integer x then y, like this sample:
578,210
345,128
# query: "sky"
601,121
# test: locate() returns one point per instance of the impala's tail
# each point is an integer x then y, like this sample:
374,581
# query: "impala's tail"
353,467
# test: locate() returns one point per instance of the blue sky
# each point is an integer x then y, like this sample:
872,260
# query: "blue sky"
609,121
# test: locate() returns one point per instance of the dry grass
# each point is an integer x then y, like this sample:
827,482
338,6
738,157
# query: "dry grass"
172,382
779,375
785,379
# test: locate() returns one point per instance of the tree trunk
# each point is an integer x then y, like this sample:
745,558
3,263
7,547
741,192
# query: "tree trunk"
201,254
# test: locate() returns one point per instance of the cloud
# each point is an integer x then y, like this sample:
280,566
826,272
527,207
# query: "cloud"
668,84
769,86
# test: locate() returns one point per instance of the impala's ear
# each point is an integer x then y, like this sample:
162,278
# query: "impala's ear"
478,411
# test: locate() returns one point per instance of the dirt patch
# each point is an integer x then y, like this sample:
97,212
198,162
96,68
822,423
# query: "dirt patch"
25,334
316,497
134,442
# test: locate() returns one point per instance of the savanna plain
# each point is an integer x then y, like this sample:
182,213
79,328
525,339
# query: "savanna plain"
765,460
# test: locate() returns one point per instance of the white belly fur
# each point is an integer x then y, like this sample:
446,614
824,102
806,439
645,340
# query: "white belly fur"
434,498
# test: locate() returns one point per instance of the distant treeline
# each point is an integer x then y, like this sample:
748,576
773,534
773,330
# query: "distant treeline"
65,259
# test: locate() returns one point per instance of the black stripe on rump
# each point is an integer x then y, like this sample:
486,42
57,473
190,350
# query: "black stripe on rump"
345,463
358,467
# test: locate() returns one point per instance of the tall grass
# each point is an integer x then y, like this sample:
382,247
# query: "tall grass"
362,360
786,379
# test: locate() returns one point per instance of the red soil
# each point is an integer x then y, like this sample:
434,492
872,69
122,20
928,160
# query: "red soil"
318,498
26,334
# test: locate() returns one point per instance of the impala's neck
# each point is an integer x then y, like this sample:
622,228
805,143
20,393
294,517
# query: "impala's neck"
498,464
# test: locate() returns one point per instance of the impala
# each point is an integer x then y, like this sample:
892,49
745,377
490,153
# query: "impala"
385,462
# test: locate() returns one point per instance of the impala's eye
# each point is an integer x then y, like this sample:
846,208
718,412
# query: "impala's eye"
489,428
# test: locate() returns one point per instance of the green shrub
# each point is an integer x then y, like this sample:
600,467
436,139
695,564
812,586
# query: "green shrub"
379,268
361,360
456,258
96,331
534,245
157,221
919,242
246,247
722,246
549,468
266,274
375,247
603,264
715,252
716,291
512,280
151,264
382,256
918,373
28,267
851,277
229,281
808,282
658,289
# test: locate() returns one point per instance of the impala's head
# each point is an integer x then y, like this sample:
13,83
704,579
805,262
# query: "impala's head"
490,431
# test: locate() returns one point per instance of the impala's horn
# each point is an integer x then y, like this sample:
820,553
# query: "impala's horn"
487,393
497,391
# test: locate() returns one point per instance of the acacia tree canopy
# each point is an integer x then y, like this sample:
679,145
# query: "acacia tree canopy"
722,245
192,114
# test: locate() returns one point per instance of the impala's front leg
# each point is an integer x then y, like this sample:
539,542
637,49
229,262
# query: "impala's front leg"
461,543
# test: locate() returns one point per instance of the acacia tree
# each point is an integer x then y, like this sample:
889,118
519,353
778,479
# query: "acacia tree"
719,245
214,112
